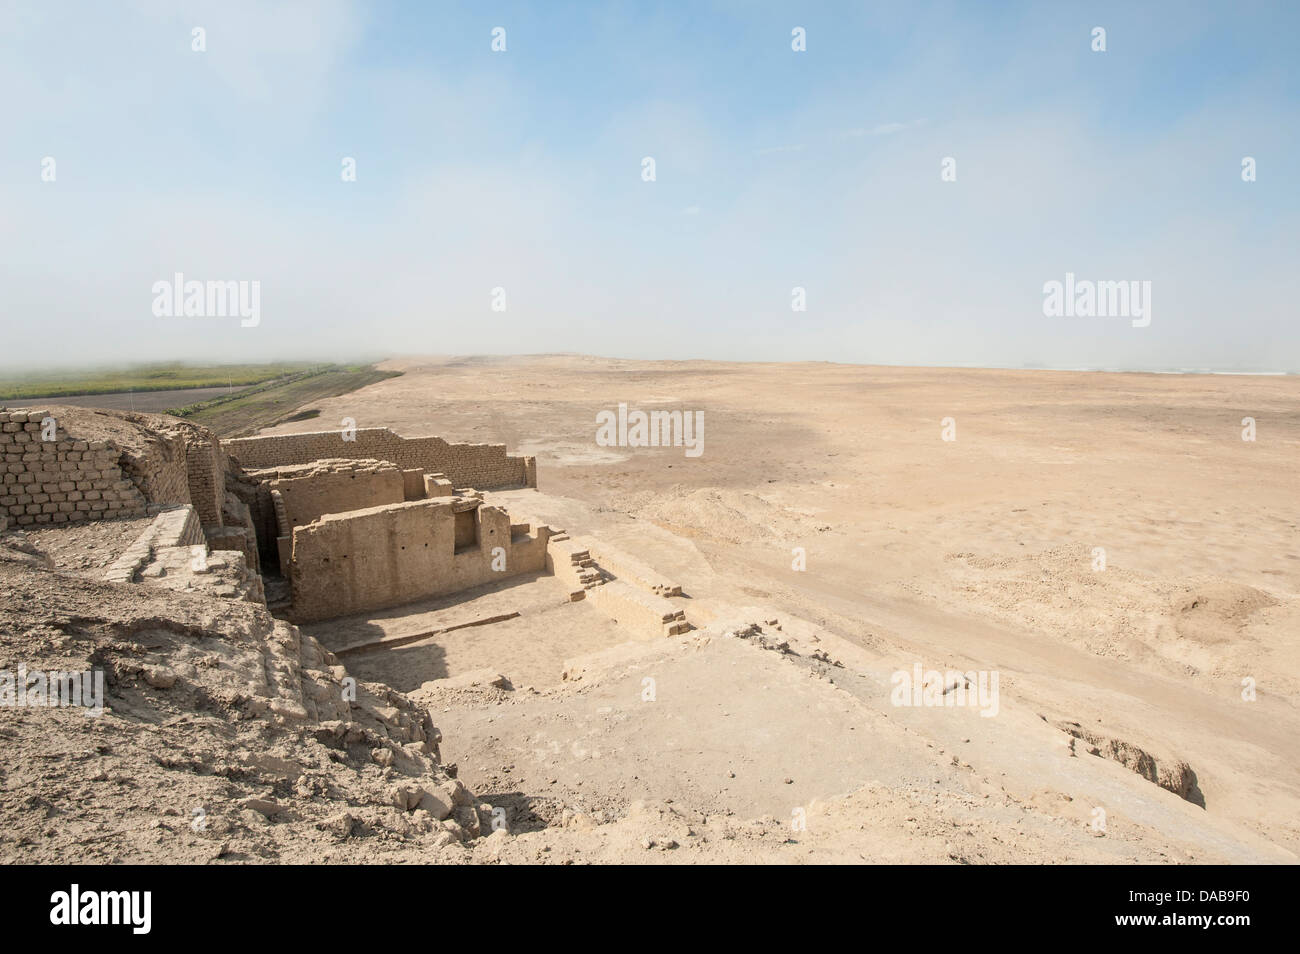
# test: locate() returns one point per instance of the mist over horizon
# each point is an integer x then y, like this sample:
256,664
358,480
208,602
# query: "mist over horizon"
19,372
864,185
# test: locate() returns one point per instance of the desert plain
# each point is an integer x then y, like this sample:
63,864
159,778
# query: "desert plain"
1119,551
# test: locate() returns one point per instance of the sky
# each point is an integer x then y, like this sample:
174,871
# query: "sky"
523,170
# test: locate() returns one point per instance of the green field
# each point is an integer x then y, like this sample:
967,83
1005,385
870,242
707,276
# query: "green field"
248,411
146,377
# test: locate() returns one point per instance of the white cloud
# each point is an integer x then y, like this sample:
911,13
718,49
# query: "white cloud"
885,129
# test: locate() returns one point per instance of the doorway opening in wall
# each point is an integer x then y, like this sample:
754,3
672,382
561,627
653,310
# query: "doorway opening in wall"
466,531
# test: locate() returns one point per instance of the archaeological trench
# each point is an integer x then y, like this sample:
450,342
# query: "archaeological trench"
309,529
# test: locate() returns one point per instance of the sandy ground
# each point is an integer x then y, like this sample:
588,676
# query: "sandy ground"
1120,732
985,551
543,630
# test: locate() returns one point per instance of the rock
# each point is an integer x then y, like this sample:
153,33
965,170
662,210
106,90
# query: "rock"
436,803
468,819
341,825
329,733
453,828
159,677
264,806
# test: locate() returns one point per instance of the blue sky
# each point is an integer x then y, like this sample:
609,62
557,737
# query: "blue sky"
775,169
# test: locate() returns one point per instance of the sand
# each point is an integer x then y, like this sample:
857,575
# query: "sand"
983,551
1106,546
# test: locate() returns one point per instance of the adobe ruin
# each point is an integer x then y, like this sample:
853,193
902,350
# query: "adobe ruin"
316,526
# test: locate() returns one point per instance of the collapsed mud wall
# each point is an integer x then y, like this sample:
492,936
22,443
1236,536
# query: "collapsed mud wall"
482,466
334,486
212,703
52,477
644,613
179,527
636,602
68,464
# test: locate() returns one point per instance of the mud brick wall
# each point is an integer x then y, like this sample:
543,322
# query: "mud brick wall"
240,539
621,565
388,556
238,531
159,471
252,493
64,480
205,464
179,527
482,466
638,606
644,613
437,485
310,492
413,484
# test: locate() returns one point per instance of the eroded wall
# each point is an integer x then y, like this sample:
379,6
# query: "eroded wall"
178,527
387,556
334,486
65,480
482,466
205,465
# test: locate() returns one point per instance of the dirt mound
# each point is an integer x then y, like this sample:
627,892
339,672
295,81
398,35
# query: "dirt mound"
1190,626
1214,612
224,734
128,430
